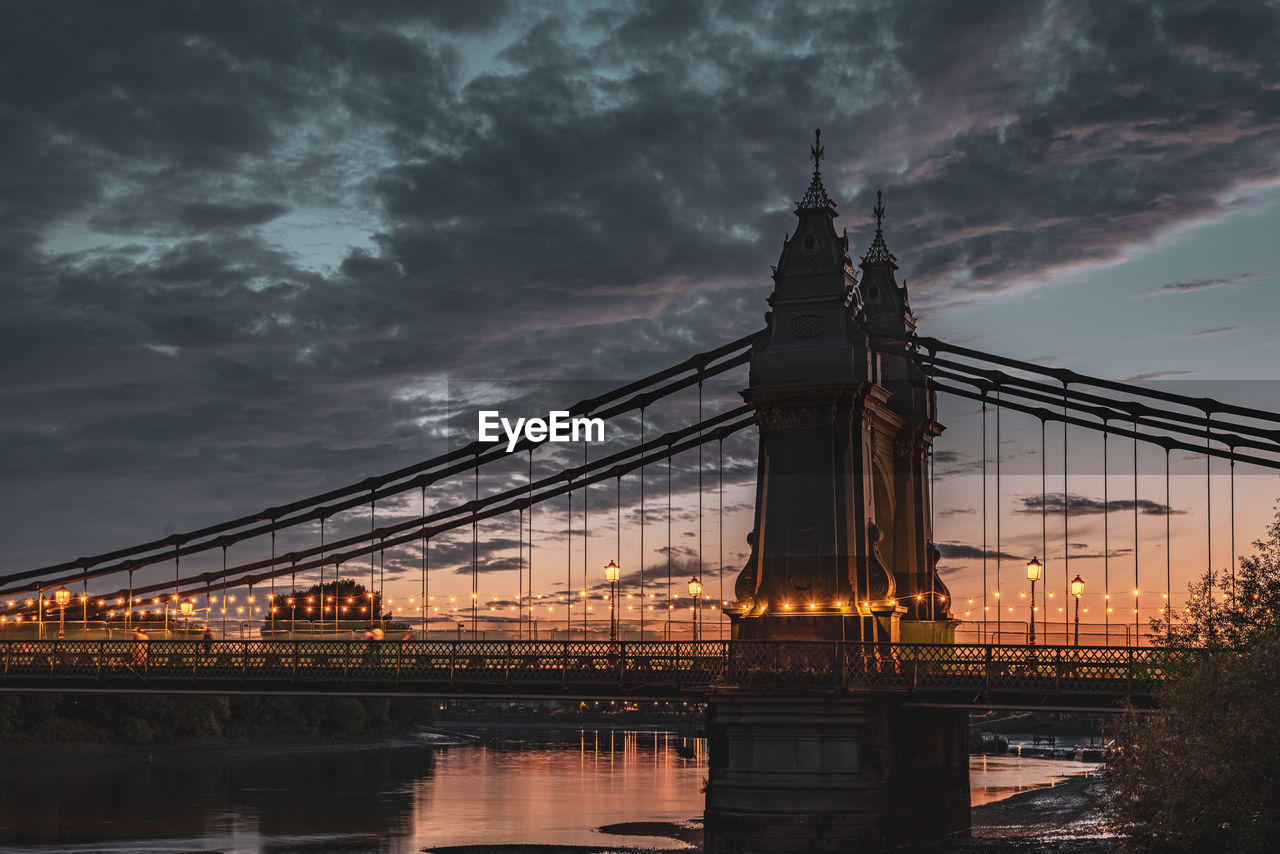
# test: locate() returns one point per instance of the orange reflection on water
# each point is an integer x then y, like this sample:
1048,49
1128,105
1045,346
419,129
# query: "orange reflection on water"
994,778
547,794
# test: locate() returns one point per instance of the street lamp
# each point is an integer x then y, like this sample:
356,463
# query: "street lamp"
1077,590
1034,568
62,596
611,573
695,590
186,608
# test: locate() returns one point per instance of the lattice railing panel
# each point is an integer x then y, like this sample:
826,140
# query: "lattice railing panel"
976,670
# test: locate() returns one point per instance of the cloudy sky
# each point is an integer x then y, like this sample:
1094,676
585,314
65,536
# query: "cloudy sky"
245,248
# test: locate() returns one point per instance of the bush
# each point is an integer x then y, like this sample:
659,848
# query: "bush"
1204,773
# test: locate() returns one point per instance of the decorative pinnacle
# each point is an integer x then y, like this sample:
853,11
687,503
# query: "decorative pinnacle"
816,195
878,253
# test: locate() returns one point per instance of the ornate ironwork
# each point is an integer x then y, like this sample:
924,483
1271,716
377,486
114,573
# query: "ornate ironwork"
957,673
878,253
816,195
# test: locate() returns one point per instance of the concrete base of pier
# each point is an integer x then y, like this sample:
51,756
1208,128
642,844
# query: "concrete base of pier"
841,773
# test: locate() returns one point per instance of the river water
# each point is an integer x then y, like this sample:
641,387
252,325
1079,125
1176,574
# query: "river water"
550,787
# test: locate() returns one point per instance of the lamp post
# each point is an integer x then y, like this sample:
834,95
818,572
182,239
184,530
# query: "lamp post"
695,590
1077,590
1034,569
62,596
186,608
611,573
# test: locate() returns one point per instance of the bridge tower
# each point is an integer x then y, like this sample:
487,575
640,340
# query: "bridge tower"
842,550
842,547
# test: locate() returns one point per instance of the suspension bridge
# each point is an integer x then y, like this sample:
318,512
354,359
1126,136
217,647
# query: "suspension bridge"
842,632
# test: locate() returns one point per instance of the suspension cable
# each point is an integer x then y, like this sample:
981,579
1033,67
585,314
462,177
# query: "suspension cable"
1136,586
568,557
426,613
1168,554
999,513
1044,529
733,354
986,616
532,618
643,601
498,504
1234,604
1066,518
1208,506
720,530
670,546
475,556
1106,540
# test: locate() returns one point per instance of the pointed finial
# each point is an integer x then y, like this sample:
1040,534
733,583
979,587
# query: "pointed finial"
816,195
878,253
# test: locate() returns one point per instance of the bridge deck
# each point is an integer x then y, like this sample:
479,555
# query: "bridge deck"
972,675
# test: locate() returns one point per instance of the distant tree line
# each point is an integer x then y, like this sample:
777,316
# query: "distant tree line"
159,718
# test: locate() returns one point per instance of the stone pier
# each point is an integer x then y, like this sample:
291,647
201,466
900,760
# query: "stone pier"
848,773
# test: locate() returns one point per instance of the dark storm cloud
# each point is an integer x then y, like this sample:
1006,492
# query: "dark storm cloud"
1156,375
203,217
1214,331
1080,505
963,551
1200,284
242,244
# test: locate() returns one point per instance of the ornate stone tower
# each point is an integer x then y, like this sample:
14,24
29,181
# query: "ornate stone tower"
843,541
842,549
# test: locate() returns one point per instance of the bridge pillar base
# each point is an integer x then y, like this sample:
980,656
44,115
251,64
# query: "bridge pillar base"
848,773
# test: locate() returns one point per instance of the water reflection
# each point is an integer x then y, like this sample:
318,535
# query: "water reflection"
519,786
537,786
993,778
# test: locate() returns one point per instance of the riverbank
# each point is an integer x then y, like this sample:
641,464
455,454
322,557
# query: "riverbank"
1066,818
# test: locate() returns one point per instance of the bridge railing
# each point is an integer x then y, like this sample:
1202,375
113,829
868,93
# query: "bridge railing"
674,666
979,668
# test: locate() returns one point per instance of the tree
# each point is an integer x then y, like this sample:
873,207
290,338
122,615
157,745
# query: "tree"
350,598
1203,772
1227,613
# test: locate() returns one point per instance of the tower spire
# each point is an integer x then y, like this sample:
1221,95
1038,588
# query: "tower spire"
816,195
878,253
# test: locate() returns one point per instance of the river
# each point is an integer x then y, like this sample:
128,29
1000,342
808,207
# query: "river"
551,787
